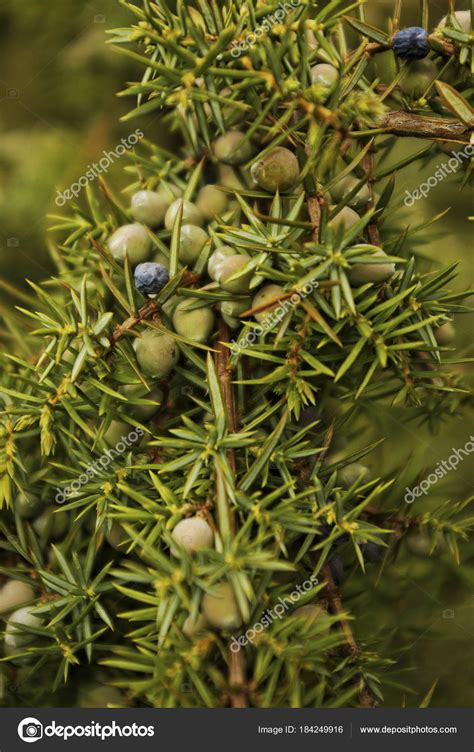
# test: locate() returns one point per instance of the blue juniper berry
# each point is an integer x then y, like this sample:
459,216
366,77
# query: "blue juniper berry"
411,43
150,278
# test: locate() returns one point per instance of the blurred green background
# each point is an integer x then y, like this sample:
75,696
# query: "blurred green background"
58,112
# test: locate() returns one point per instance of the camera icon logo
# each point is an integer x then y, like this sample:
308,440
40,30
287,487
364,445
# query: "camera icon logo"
30,730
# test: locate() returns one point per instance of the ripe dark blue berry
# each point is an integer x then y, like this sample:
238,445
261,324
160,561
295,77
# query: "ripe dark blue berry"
411,43
150,278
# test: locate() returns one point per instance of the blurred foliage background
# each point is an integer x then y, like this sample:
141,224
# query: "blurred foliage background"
59,111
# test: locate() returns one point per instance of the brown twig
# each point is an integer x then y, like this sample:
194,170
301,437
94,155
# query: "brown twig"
368,165
314,210
148,311
421,126
366,699
235,660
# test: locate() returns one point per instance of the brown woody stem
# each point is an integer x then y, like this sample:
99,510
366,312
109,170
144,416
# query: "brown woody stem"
235,660
421,126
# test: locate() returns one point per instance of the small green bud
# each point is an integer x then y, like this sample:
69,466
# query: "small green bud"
277,171
132,240
192,240
149,208
191,214
220,609
193,323
228,148
156,353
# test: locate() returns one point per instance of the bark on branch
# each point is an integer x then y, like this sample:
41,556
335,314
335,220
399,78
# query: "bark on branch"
235,660
421,126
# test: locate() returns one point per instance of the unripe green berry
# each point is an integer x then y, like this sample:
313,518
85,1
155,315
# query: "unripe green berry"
171,304
324,74
445,334
193,323
215,260
156,353
94,695
344,186
192,534
117,537
192,240
310,612
27,505
116,431
50,525
14,636
351,473
231,310
220,609
228,178
230,266
232,321
131,240
211,202
138,391
418,75
228,148
192,628
419,544
463,17
360,274
344,219
277,171
266,294
191,214
149,208
14,594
